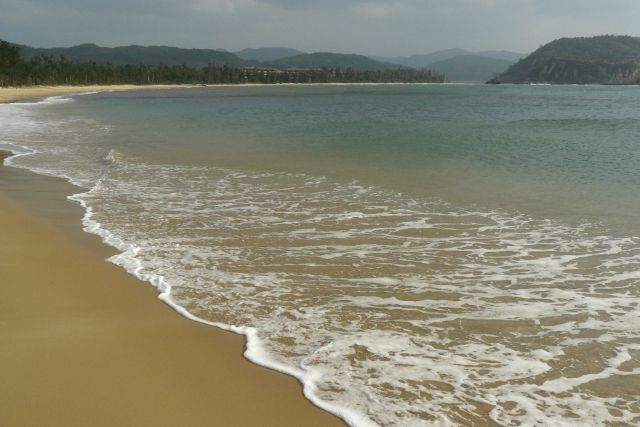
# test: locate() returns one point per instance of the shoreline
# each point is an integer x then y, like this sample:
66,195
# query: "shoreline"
65,338
16,94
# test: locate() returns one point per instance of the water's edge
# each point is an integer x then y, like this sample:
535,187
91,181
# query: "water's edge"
127,260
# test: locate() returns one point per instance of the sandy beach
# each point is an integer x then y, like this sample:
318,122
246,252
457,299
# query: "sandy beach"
84,343
13,94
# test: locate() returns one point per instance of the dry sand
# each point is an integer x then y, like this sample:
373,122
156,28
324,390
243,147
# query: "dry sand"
82,343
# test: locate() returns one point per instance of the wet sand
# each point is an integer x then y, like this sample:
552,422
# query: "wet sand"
84,343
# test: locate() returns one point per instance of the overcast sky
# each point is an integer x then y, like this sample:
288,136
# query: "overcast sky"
374,27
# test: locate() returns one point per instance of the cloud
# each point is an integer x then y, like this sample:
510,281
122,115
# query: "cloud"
373,10
388,27
224,6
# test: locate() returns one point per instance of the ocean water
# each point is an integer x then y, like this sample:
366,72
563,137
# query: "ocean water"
417,255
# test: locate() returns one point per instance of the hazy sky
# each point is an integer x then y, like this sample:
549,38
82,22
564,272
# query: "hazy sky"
391,27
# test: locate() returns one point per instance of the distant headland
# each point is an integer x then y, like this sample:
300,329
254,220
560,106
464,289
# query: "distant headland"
609,60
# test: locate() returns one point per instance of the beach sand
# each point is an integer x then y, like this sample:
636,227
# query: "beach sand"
82,343
13,94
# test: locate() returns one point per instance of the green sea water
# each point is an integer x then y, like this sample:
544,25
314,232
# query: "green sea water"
551,151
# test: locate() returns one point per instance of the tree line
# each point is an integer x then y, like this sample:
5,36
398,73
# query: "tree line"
45,70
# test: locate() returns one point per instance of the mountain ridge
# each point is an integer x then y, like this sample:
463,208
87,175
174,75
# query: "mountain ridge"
167,55
425,60
333,60
266,54
136,54
470,68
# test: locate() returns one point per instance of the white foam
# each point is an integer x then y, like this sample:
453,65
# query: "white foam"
254,351
558,250
61,99
127,259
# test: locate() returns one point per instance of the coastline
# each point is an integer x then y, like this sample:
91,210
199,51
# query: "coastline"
16,94
105,351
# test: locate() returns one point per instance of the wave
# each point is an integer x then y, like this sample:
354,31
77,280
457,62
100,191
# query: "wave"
127,259
255,351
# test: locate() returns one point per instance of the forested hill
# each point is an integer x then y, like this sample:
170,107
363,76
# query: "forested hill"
584,60
135,55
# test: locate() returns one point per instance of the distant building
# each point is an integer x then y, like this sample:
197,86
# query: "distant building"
292,74
259,73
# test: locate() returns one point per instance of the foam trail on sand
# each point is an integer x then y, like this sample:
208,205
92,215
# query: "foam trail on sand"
126,259
254,348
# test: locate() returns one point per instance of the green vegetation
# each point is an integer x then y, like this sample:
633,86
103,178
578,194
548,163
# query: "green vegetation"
592,60
10,62
46,70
